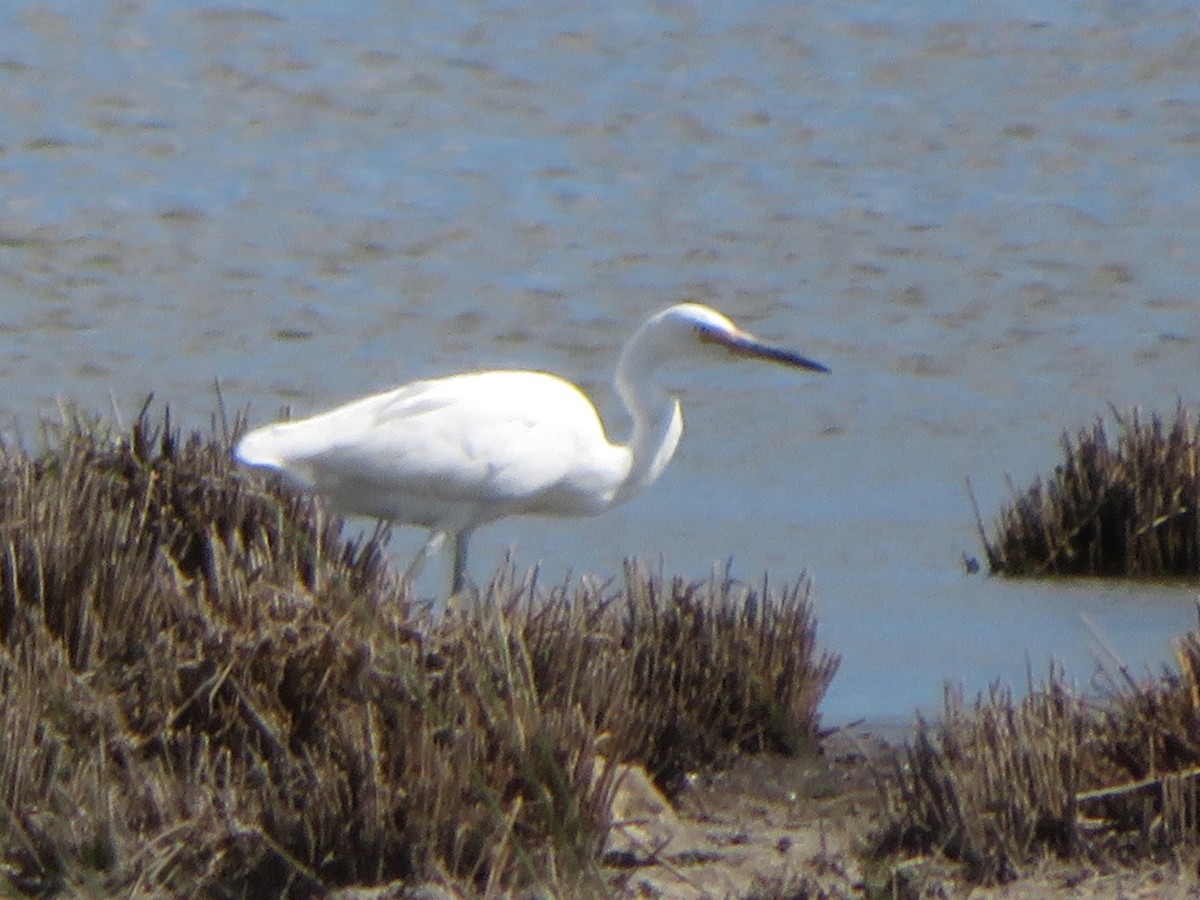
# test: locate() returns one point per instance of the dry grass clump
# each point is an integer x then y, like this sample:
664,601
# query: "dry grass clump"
1129,510
989,787
705,670
1004,783
205,690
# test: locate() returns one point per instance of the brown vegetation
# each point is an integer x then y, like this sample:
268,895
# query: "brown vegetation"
205,689
1129,509
1000,786
1003,784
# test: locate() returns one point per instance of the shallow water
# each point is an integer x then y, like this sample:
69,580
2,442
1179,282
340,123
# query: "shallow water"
982,216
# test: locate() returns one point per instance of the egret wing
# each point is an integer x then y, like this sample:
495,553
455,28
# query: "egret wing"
487,438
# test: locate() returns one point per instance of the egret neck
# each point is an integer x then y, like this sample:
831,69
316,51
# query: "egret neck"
657,418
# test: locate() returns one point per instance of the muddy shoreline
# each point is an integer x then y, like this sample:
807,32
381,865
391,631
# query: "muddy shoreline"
773,827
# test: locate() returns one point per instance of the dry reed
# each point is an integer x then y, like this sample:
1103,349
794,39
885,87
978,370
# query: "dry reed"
205,690
1004,783
1129,509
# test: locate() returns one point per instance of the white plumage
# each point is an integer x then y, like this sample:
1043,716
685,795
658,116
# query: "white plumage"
458,452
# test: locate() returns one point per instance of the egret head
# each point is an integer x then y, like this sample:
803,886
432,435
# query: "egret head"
691,329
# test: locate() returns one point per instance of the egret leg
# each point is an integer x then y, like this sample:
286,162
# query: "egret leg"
432,546
459,578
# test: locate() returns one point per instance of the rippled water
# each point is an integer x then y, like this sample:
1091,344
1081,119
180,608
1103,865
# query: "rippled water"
983,216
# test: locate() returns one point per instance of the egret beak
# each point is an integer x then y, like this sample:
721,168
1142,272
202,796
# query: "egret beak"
742,343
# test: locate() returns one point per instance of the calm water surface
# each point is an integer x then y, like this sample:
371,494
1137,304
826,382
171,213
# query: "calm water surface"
983,216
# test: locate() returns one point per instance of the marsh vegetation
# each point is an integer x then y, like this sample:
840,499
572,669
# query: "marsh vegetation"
1003,783
1125,507
207,690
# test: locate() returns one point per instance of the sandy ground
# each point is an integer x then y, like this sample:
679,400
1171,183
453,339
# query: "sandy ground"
787,828
773,828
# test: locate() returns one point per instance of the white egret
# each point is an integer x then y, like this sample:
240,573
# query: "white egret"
455,453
